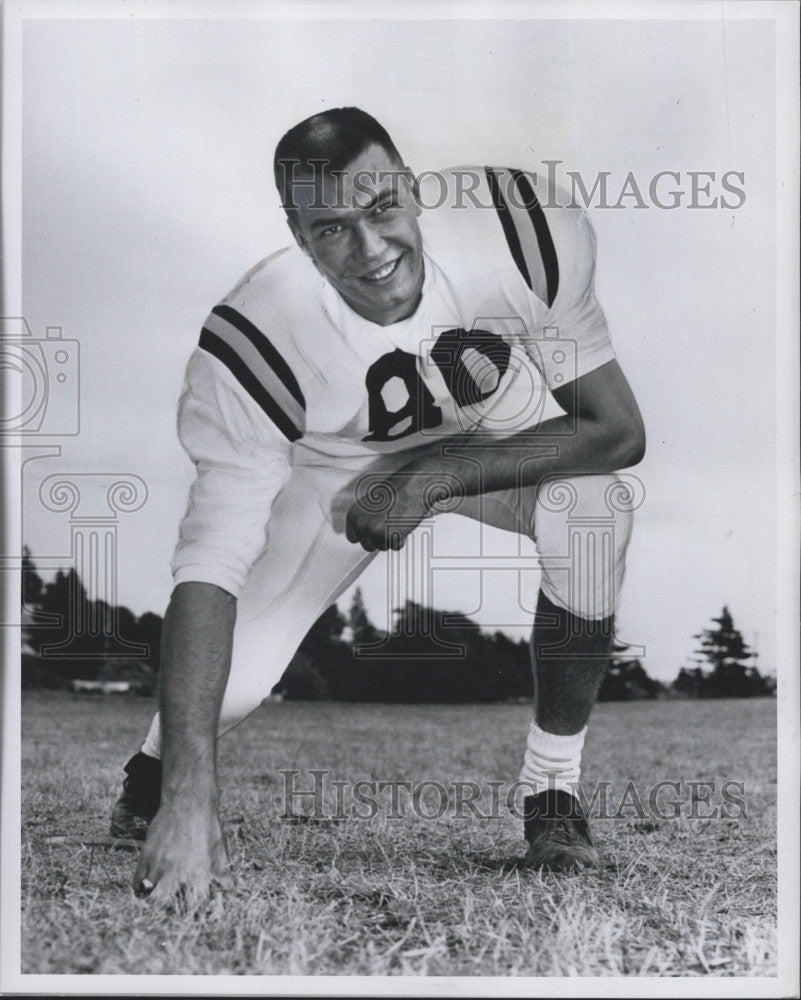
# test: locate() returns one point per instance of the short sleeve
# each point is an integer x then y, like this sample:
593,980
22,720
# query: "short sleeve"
576,317
241,460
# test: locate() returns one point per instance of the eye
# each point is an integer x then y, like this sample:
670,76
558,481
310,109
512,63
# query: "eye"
331,230
387,204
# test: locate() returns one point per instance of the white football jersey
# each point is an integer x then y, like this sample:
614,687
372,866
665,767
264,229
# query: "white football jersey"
286,371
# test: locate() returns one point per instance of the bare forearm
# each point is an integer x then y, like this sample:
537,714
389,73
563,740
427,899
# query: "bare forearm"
601,432
466,465
196,659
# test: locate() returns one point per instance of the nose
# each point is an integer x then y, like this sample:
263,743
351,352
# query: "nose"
369,243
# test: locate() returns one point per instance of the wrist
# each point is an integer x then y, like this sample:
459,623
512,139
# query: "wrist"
189,778
188,794
427,485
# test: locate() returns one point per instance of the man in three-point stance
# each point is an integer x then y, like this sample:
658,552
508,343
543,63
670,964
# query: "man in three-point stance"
408,337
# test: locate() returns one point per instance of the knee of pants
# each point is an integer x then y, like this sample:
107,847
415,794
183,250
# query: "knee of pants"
582,526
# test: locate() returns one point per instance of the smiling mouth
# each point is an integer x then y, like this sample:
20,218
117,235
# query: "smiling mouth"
383,272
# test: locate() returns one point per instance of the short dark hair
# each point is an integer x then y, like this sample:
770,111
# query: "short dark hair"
327,141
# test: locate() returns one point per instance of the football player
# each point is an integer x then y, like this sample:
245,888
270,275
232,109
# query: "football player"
396,356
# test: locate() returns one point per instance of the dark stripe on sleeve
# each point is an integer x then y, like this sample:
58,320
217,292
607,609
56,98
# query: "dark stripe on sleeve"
214,345
544,239
264,347
508,224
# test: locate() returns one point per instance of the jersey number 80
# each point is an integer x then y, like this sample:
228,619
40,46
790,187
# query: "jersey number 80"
471,362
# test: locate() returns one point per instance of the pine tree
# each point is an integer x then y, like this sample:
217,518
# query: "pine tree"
364,632
727,651
32,587
32,583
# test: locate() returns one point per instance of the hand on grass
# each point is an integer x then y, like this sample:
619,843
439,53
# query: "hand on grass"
183,856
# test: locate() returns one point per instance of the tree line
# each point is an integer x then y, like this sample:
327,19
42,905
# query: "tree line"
429,655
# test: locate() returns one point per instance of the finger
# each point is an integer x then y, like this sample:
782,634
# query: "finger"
220,868
193,897
143,888
162,894
224,881
173,891
142,875
396,540
350,530
392,539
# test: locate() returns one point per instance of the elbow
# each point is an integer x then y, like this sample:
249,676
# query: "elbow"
633,444
624,445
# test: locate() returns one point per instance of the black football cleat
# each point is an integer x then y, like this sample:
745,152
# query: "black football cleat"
557,833
139,802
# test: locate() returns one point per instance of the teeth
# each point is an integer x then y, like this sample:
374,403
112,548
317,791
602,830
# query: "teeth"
382,272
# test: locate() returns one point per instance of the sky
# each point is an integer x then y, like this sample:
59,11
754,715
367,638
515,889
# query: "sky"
147,192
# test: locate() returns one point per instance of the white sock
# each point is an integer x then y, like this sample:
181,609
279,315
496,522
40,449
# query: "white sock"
152,744
552,761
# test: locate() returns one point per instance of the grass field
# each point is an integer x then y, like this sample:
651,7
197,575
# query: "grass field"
415,896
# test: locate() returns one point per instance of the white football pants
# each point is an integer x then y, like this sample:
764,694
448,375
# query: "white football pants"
581,526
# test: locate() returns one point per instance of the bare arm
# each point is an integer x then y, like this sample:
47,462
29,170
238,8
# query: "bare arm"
184,846
242,460
601,431
198,636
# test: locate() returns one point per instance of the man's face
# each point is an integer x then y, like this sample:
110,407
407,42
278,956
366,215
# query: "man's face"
361,231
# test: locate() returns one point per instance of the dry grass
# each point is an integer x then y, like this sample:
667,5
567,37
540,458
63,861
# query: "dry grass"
408,896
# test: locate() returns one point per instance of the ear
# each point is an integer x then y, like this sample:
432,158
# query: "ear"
300,239
415,185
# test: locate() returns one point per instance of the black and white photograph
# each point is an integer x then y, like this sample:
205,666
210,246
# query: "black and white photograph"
400,498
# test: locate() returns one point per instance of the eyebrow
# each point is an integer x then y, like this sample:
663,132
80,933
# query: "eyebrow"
334,220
